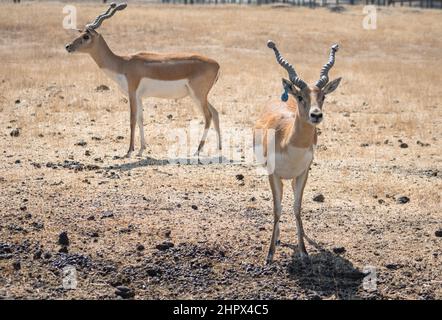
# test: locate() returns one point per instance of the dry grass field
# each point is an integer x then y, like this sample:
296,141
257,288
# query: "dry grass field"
195,230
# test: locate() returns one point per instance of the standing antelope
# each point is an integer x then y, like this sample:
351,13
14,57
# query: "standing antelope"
294,123
172,76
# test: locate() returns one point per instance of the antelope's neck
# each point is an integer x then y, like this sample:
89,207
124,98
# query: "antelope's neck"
303,133
104,57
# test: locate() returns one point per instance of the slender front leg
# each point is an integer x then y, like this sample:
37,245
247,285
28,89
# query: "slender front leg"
276,186
140,125
133,122
298,185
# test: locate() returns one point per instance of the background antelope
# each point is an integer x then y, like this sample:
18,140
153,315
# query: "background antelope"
145,74
293,121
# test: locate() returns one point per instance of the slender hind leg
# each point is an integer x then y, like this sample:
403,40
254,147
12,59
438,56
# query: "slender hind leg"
201,101
215,117
276,186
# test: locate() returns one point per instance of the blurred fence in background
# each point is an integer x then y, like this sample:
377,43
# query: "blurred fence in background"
319,3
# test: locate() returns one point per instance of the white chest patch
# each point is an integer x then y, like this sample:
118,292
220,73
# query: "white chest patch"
292,162
175,89
118,78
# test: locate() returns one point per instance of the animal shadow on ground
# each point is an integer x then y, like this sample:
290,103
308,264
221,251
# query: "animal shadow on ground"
326,274
148,161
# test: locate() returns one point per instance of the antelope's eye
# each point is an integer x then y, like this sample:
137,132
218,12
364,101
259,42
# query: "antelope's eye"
86,37
300,99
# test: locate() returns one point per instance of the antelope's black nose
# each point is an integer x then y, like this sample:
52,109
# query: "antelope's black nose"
316,116
68,47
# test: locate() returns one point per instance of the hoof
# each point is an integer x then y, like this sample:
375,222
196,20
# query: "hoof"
128,155
304,256
140,153
269,259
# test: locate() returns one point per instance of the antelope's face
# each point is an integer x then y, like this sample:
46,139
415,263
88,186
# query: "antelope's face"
310,100
84,42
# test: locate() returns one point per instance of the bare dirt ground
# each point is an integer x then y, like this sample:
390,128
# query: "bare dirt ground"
202,231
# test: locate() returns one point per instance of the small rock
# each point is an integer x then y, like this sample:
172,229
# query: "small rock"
422,144
37,254
124,292
338,250
164,246
403,200
364,144
15,132
91,218
102,88
17,101
63,239
107,214
47,255
438,233
194,207
140,247
120,137
239,177
169,116
403,145
319,197
16,265
392,266
81,143
87,153
64,249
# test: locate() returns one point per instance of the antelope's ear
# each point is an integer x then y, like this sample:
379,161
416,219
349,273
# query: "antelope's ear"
331,86
289,87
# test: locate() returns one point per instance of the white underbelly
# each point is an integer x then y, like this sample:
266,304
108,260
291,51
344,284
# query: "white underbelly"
292,162
175,89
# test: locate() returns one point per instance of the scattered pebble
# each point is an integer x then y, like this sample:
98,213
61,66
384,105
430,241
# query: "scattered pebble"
392,266
81,143
164,246
16,265
438,233
15,132
403,200
107,214
194,207
422,144
319,197
102,88
63,239
140,247
63,249
124,292
339,250
239,177
403,145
